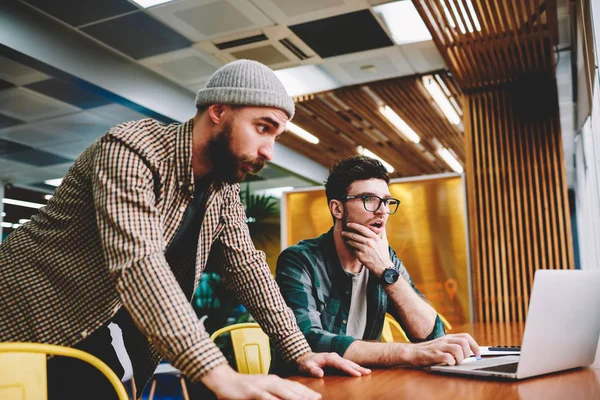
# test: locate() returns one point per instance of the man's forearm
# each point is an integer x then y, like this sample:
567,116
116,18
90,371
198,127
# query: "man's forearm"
378,354
417,316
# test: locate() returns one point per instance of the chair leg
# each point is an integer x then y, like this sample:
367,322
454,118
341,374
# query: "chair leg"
184,389
133,389
152,388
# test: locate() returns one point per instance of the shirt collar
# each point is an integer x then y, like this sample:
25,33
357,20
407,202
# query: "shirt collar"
183,157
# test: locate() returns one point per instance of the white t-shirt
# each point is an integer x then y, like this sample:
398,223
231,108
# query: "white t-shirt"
357,316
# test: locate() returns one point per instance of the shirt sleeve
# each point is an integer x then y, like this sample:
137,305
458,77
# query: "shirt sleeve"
131,233
250,278
438,327
296,285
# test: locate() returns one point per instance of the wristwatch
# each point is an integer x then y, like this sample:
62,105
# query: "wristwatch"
389,276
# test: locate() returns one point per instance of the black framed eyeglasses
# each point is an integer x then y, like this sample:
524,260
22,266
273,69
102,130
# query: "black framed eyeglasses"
372,202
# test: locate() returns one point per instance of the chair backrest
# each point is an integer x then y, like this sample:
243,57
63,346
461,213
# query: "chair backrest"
446,323
392,331
23,370
250,347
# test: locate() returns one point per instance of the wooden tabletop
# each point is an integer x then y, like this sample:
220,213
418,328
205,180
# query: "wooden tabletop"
408,383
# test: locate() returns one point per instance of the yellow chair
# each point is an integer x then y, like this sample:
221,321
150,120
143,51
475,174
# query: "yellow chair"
446,323
390,325
250,347
23,370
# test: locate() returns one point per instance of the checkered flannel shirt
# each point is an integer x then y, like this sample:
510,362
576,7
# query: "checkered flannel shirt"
100,244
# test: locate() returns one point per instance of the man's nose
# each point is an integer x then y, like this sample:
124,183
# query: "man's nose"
266,150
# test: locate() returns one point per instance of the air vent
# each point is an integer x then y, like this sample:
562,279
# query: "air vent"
240,42
294,49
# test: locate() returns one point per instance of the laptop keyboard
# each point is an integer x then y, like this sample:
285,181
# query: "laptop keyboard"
508,368
504,348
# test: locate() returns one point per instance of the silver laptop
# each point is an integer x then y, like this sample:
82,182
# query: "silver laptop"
562,329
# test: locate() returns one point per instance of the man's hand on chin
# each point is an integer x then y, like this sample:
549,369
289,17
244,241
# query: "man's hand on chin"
313,364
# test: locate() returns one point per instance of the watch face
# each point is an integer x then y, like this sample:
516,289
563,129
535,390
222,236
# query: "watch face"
390,275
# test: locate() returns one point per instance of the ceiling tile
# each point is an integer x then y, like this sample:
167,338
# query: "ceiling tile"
368,66
35,157
80,12
27,105
36,135
138,35
268,55
339,35
5,84
6,121
83,125
33,175
205,19
7,146
8,166
423,56
292,12
69,93
70,150
17,73
276,46
114,114
186,67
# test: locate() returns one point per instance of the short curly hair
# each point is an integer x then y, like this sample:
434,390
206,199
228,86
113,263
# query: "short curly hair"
352,169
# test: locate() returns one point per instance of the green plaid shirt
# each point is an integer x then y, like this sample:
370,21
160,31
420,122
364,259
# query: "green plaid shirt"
318,290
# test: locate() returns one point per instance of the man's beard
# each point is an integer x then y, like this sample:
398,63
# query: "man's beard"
227,167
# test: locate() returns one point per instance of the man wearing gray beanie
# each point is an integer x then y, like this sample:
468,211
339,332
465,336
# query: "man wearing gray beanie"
126,237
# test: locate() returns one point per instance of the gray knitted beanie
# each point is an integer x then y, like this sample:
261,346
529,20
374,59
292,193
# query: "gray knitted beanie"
246,83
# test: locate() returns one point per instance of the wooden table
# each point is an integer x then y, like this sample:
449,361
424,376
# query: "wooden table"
408,383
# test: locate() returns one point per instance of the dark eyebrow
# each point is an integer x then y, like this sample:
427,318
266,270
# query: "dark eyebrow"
373,194
270,121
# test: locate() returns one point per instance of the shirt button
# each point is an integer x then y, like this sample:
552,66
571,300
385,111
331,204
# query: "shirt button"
180,184
344,321
190,188
84,334
182,208
348,291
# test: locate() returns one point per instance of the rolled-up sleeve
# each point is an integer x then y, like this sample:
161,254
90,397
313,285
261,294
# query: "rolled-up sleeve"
131,232
251,280
296,283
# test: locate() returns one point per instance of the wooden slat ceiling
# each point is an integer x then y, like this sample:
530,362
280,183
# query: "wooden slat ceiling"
513,38
345,118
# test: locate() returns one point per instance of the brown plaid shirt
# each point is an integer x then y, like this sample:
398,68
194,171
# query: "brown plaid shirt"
100,244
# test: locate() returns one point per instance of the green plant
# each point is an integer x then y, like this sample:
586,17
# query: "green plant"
259,209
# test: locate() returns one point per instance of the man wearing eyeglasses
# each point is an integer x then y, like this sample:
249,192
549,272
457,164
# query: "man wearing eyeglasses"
341,284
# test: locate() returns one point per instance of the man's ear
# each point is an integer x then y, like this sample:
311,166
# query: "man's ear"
216,113
336,208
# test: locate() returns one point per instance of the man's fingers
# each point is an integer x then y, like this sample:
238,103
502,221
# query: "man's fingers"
313,369
473,344
354,244
290,390
456,351
362,370
266,396
363,230
466,341
346,366
355,237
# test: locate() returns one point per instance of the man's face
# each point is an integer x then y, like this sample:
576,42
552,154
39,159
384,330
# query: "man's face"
245,141
354,209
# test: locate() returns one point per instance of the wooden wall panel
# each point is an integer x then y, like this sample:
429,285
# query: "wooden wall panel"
518,206
516,188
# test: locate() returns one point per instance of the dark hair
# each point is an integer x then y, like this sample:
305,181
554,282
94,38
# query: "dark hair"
350,170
